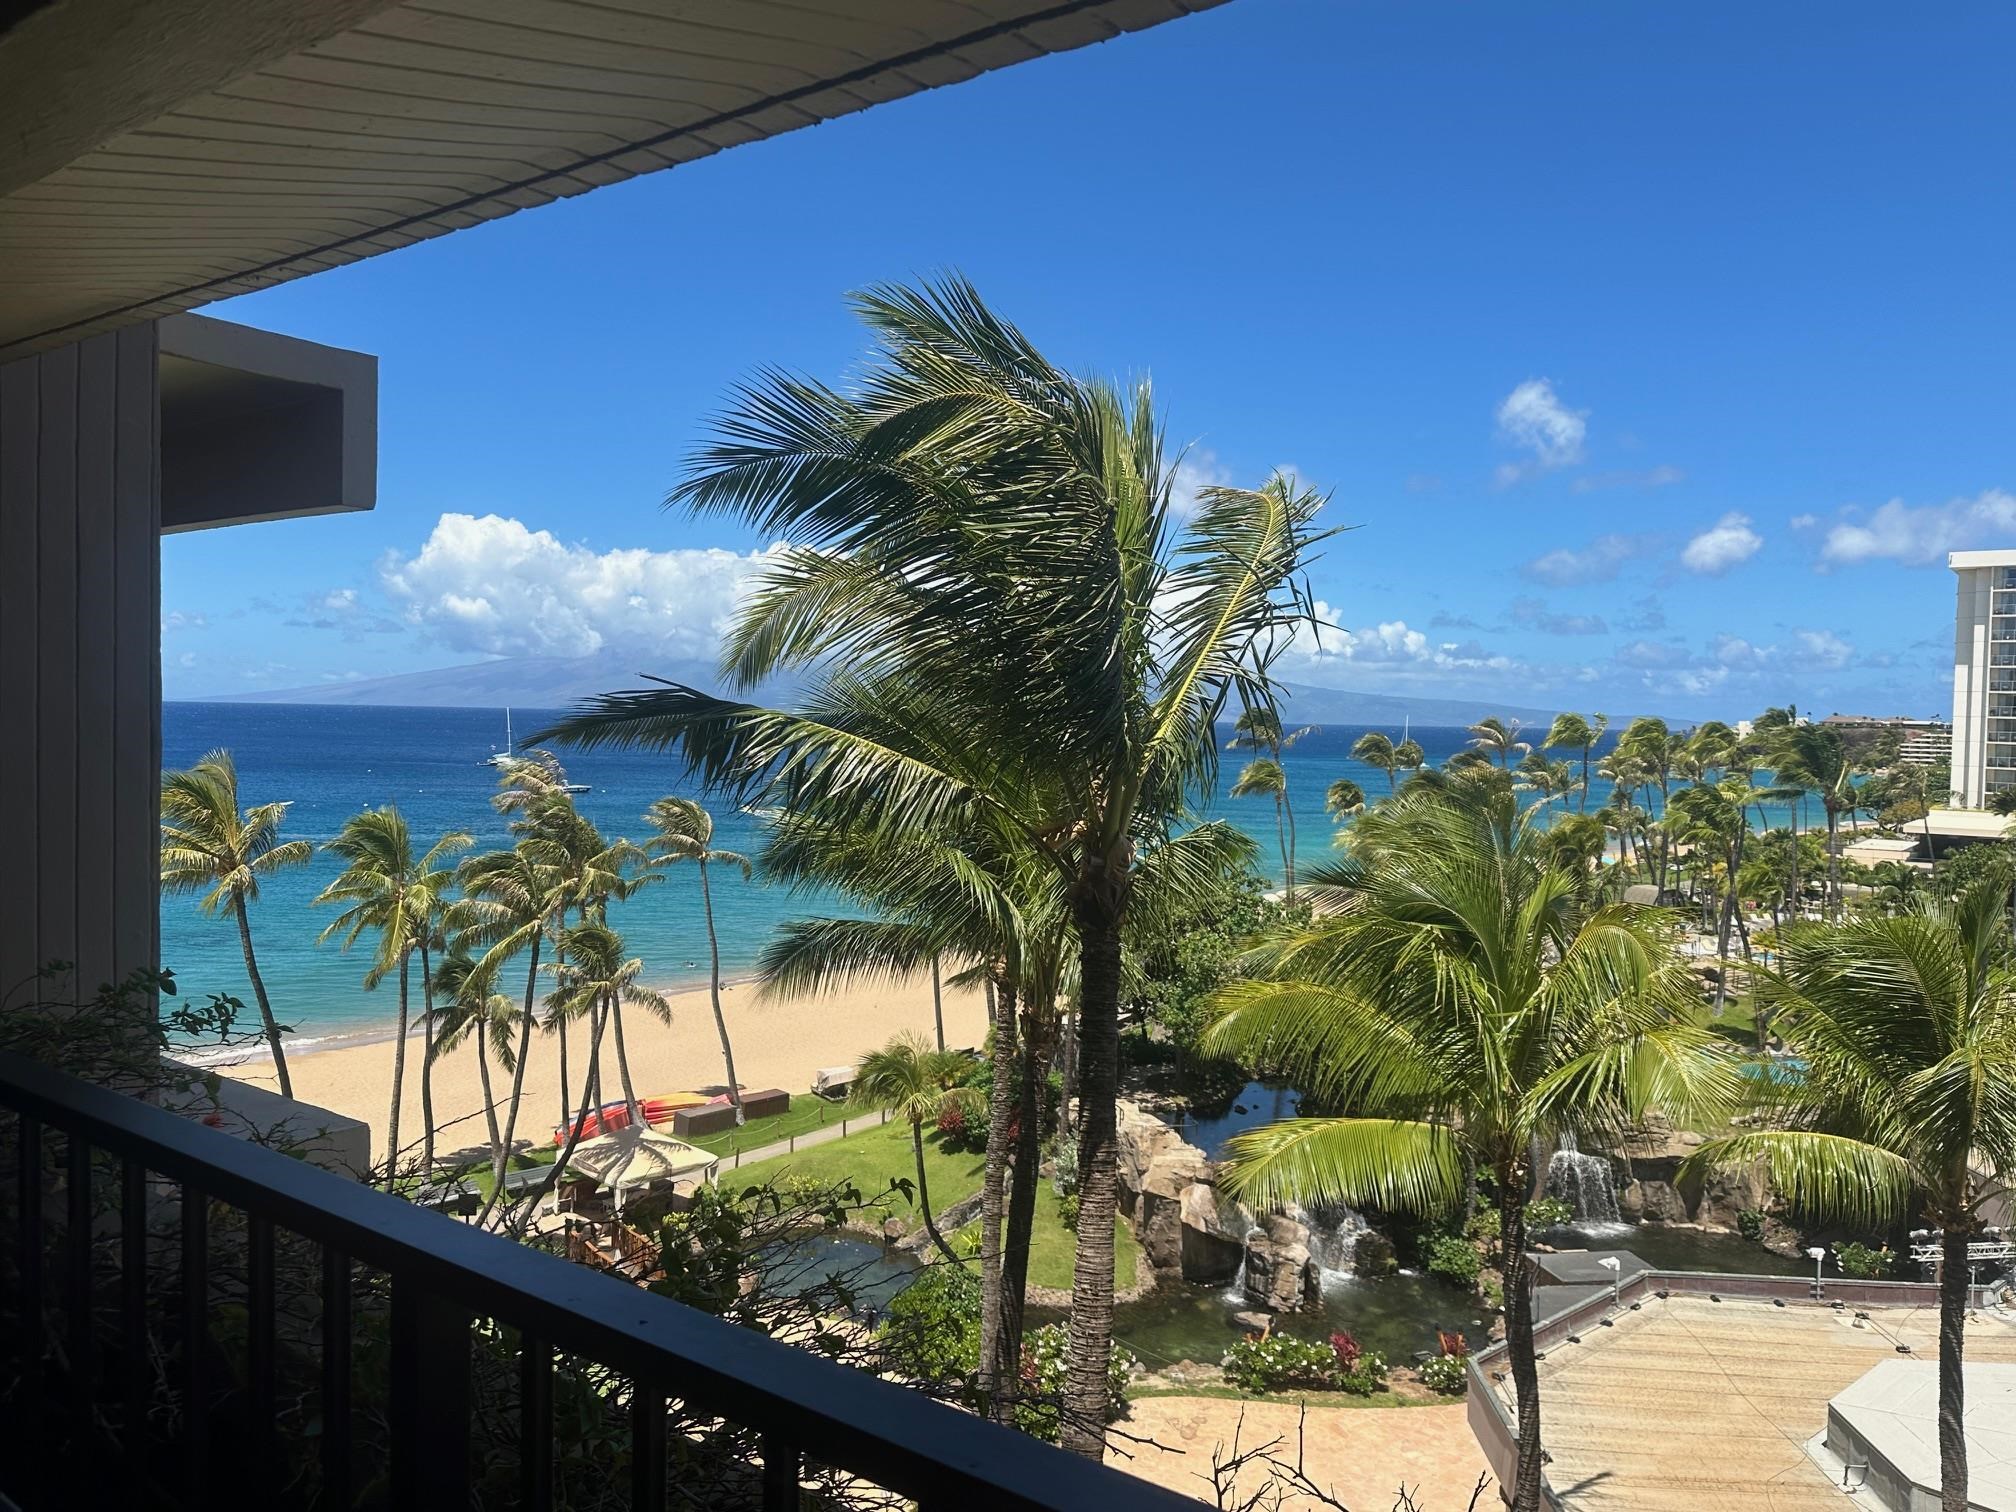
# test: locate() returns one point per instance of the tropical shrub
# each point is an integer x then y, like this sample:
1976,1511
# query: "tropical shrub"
1548,1212
932,1331
956,1130
1452,1259
1347,1349
1043,1366
1067,1207
1064,1173
1447,1373
1261,1363
1489,1223
1863,1263
1750,1224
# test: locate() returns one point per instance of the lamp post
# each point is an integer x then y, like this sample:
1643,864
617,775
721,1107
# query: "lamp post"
1616,1268
1818,1255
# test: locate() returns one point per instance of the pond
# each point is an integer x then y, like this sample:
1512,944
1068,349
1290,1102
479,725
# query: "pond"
1395,1315
1664,1247
1253,1106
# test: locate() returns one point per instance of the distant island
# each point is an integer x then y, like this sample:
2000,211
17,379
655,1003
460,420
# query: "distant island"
552,682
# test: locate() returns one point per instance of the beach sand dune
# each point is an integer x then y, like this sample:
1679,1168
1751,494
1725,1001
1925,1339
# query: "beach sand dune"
779,1042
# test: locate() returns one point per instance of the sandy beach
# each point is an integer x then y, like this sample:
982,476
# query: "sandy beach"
779,1042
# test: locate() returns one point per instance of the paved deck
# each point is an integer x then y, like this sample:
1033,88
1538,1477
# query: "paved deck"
1704,1406
1364,1454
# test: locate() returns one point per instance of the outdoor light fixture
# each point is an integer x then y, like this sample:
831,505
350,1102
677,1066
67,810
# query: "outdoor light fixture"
1616,1268
1818,1255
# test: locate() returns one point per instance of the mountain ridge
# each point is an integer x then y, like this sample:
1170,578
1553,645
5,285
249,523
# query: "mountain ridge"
551,682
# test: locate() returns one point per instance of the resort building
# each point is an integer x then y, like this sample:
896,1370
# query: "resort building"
160,157
1984,675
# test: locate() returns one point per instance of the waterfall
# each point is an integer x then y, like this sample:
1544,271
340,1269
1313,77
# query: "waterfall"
1333,1236
1235,1289
1584,1182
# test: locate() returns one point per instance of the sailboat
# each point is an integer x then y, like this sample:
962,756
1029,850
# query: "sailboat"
509,754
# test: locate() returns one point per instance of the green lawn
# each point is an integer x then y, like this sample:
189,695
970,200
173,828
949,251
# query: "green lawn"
805,1114
876,1157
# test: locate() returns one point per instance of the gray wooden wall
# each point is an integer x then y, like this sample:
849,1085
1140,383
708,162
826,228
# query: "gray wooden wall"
80,669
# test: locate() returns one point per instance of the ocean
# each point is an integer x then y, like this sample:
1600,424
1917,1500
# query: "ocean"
331,762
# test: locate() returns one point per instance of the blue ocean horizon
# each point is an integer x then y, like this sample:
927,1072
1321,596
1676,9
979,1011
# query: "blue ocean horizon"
332,761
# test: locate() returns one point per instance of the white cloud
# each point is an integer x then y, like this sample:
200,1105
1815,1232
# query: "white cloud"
1595,563
1536,615
491,585
1825,647
1920,536
178,619
1392,644
1804,521
1198,470
1727,543
1533,418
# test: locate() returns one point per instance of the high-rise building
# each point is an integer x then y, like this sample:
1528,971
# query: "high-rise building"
1984,675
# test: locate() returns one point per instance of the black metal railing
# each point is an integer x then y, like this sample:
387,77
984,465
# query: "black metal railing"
127,1174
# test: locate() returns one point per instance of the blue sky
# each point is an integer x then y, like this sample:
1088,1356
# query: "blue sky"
1659,354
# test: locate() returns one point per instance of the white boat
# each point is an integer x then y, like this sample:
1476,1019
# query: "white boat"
509,754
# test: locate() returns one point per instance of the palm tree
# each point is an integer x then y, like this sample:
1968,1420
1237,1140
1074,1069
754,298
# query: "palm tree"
1376,749
594,978
1549,779
1344,799
683,832
1498,740
1408,756
1715,816
1576,733
913,1081
1467,1006
1057,671
1259,729
511,901
1907,1026
210,846
399,898
1813,758
474,1010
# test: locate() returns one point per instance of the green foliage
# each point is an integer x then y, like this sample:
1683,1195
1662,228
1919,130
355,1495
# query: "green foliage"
1044,1354
1448,1374
1546,1212
1452,1259
1750,1224
1173,965
932,1330
1864,1263
1261,1363
1067,1207
1064,1170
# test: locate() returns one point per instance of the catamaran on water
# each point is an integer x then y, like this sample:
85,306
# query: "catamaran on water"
509,754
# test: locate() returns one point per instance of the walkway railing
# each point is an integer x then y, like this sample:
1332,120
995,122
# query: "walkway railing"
101,1174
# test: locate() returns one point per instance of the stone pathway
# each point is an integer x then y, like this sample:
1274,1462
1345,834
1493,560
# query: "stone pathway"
1363,1454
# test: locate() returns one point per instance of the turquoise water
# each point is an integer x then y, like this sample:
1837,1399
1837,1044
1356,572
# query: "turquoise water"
332,762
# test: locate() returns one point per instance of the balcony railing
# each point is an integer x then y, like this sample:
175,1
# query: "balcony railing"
95,1170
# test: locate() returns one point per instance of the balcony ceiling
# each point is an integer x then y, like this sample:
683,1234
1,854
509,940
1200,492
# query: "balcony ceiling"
160,154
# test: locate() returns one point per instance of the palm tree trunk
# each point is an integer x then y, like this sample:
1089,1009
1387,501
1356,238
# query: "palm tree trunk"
938,1005
426,1062
1525,1488
503,1158
1024,1177
993,1188
266,1020
1288,823
1833,862
623,1063
924,1193
398,1080
1091,1344
483,1075
714,986
579,1120
1953,1276
566,1086
1585,779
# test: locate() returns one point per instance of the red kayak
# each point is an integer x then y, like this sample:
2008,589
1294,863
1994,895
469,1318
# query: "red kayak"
610,1117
